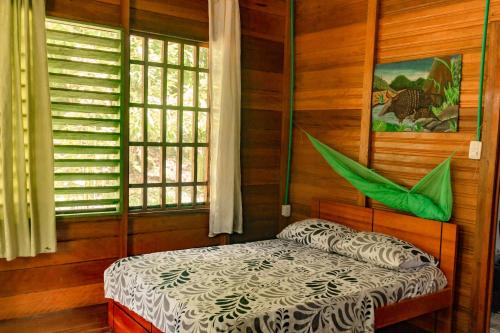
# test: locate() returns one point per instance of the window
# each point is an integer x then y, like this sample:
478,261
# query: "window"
85,90
168,123
168,119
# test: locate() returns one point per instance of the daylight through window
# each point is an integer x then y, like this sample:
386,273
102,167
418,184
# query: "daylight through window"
85,91
168,123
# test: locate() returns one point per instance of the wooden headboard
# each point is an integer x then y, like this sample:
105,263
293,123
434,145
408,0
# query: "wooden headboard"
434,237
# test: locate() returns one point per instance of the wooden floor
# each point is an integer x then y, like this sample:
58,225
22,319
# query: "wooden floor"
93,319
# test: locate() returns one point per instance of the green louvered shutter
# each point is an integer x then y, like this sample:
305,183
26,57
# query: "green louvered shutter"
86,92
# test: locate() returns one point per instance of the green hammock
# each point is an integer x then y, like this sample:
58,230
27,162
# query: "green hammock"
431,198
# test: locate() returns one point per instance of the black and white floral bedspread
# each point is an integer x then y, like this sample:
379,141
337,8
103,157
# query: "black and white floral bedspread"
267,286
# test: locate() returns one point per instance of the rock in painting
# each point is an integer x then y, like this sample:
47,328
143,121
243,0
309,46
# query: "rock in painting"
451,112
439,73
419,95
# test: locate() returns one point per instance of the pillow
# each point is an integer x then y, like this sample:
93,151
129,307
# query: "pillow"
317,233
385,251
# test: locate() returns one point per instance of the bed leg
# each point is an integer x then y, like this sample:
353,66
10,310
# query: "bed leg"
111,316
445,321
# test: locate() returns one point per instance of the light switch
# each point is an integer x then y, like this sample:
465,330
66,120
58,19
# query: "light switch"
286,210
475,150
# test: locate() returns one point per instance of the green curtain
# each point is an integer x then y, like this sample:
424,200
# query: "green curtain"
431,198
27,215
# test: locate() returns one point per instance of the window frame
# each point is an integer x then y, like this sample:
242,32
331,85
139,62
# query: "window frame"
179,207
125,144
123,147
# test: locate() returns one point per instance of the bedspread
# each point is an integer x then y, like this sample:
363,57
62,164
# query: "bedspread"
266,286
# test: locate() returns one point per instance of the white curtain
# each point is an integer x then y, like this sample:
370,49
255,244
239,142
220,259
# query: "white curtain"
27,215
225,109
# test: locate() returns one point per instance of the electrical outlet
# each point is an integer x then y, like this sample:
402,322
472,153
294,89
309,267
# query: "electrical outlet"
286,210
475,150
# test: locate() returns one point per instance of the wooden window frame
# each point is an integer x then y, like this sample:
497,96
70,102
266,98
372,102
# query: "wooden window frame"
118,202
164,107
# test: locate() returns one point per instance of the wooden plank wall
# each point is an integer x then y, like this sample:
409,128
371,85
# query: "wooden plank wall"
330,40
86,246
262,52
330,50
96,11
70,278
186,19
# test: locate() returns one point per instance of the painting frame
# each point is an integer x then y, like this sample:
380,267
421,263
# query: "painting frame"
418,95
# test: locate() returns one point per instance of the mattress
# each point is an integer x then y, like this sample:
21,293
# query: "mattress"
267,286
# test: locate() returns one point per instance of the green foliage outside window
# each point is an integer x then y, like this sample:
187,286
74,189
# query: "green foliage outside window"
168,123
85,90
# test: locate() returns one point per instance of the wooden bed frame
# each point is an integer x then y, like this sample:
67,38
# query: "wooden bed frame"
436,238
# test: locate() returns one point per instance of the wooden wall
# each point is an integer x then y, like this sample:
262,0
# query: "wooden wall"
179,18
70,278
262,52
95,11
330,49
86,246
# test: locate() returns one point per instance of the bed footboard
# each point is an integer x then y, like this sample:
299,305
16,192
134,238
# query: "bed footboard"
123,320
415,307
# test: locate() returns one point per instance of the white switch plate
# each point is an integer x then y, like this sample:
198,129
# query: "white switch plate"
286,210
475,150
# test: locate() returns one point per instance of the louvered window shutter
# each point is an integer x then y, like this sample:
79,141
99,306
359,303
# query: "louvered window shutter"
85,67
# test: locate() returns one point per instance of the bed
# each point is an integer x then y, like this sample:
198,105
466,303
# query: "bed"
283,286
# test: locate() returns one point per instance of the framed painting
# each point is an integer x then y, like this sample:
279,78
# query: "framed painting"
417,96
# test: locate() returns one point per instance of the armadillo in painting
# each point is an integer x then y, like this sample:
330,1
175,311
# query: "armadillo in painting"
411,103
